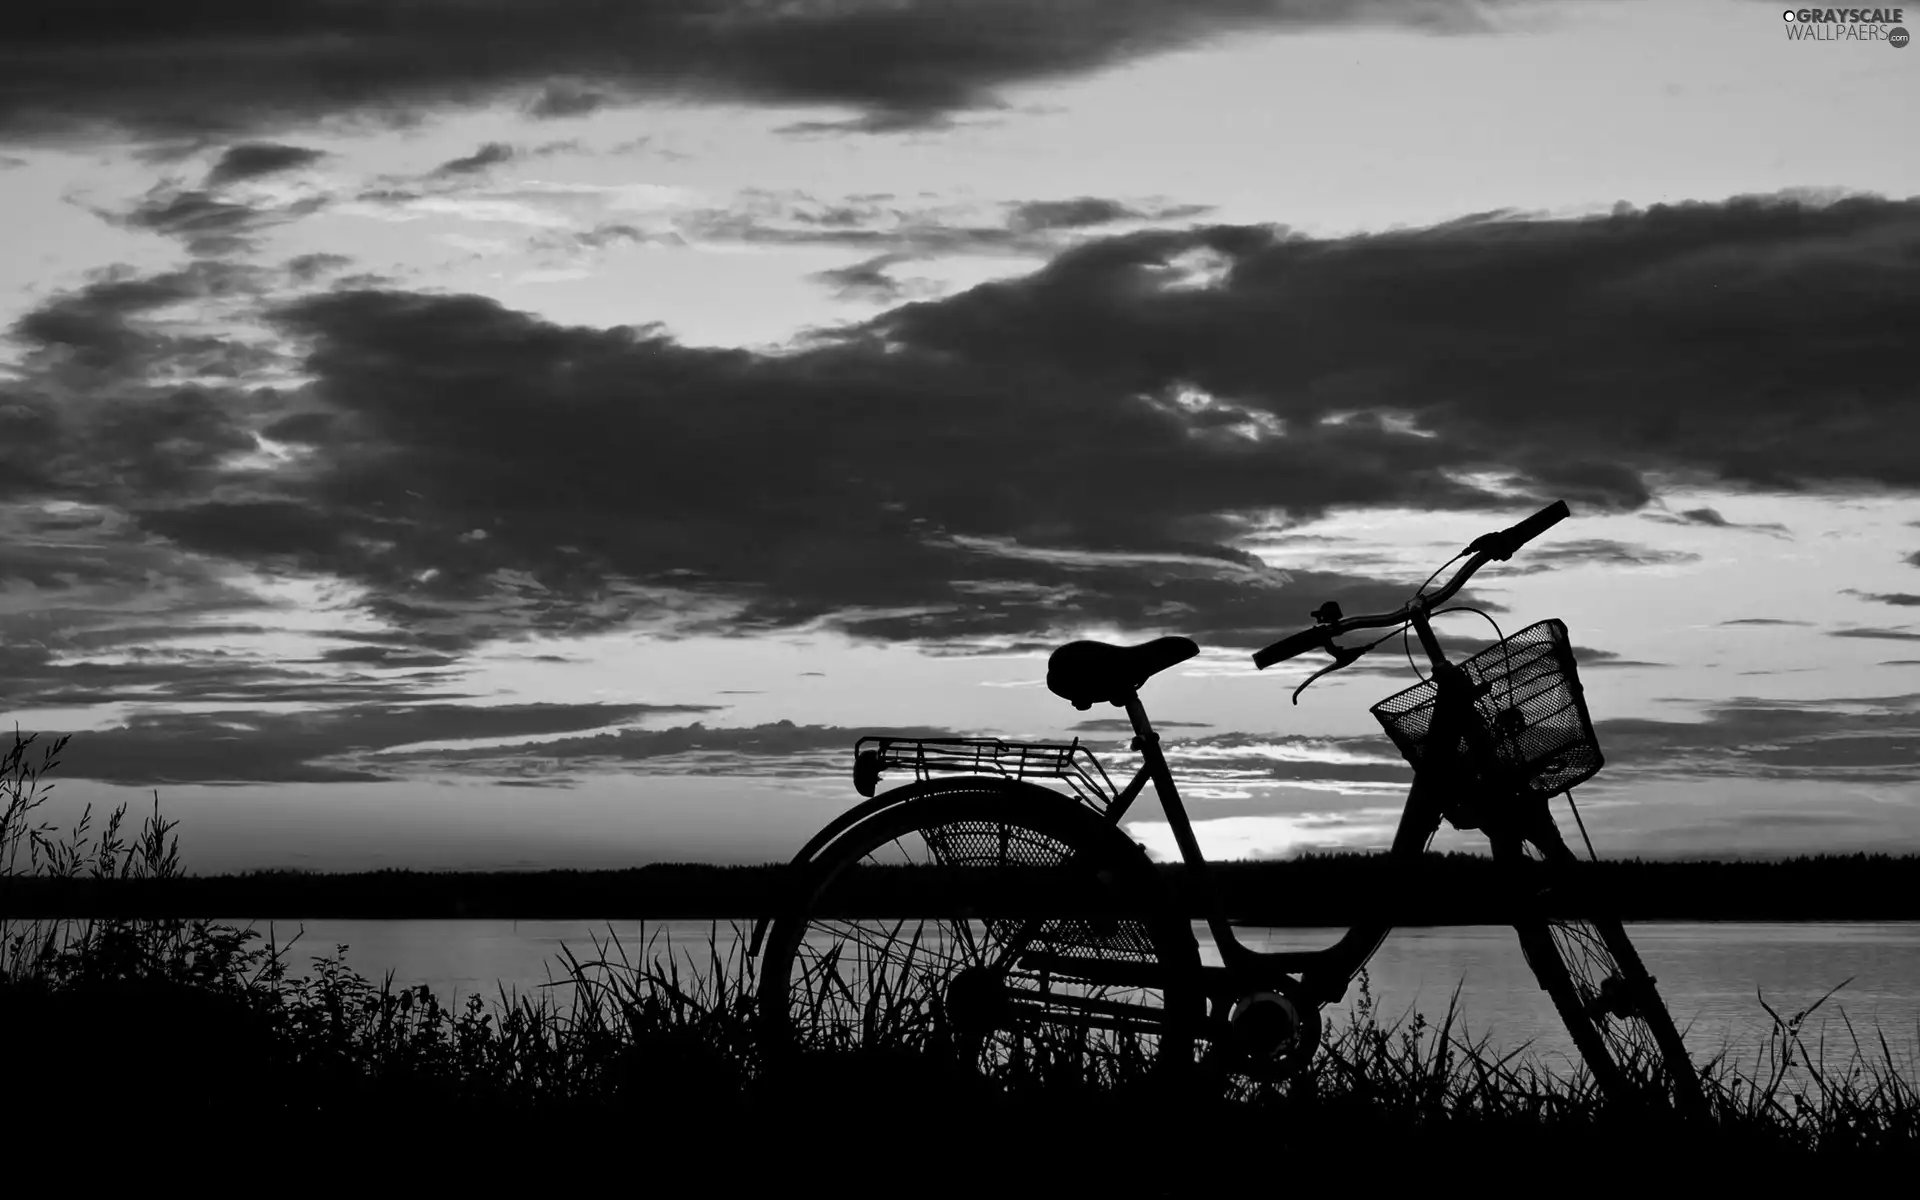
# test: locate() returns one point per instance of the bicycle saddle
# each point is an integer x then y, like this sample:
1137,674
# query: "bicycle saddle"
1090,673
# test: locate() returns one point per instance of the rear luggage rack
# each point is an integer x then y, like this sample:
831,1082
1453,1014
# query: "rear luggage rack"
1069,762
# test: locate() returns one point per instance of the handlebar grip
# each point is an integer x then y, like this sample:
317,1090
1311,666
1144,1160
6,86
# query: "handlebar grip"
1290,646
1502,545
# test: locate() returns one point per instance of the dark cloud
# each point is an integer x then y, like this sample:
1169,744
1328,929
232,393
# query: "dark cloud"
1088,445
612,233
387,656
882,122
96,326
1912,560
558,100
112,404
1085,211
490,155
1712,519
868,279
203,677
1887,635
1589,658
208,226
779,749
1827,742
1547,556
1763,621
250,160
882,225
1306,328
1898,599
886,231
211,67
250,746
308,267
159,442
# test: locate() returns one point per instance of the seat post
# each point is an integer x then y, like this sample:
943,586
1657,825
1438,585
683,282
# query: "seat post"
1203,892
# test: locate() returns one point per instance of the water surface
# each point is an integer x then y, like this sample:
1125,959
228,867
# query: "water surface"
1712,975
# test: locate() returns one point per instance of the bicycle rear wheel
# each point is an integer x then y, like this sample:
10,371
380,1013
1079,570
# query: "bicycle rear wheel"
1017,934
1583,958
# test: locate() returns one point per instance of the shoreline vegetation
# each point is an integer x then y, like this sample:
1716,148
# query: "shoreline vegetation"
1314,890
163,1022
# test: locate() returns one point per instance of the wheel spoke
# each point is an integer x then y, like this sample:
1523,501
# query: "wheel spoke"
1064,992
1604,994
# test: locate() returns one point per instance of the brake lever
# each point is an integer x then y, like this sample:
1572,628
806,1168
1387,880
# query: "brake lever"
1343,656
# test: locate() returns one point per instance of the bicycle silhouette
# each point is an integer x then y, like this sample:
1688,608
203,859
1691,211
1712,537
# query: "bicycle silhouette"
1011,923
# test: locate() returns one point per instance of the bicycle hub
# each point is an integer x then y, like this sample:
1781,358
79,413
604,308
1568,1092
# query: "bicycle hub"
1269,1027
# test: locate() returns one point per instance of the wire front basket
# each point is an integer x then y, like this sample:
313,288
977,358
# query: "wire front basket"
1539,740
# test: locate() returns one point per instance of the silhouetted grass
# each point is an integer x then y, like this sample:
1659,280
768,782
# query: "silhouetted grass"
145,1016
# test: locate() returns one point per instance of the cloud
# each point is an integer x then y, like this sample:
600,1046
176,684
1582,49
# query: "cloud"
1082,212
199,676
1889,635
1898,599
869,280
219,67
1547,556
333,746
1712,519
387,656
945,473
1589,659
206,224
558,100
306,268
1758,621
1824,742
251,160
778,749
489,155
884,229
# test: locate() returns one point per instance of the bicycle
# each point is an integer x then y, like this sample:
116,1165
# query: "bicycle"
1016,925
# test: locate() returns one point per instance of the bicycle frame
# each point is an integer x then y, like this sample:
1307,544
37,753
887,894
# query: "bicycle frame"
1323,975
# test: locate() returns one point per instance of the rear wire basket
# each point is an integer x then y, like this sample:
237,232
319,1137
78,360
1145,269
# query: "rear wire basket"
1531,707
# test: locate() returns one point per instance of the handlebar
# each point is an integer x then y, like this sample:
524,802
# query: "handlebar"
1500,545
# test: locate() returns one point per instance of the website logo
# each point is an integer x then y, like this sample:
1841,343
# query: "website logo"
1847,25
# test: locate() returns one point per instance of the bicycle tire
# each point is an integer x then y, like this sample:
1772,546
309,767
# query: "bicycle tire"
999,846
1581,955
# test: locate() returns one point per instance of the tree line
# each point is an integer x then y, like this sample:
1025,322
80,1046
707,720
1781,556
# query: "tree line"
1313,890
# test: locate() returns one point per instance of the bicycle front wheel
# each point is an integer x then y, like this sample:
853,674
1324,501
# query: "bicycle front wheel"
1582,957
1000,925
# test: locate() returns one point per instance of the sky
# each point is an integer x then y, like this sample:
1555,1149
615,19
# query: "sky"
528,435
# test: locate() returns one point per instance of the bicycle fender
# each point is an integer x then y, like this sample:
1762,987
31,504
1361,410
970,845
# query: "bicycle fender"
905,794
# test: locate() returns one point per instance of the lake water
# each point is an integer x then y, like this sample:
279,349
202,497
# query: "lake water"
1709,973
